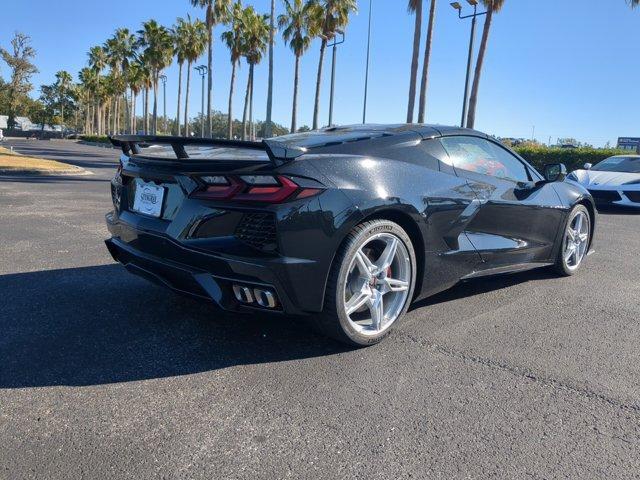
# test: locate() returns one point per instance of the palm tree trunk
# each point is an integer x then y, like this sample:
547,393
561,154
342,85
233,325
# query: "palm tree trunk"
179,97
186,101
209,80
414,62
294,108
268,130
127,111
473,97
246,108
231,88
155,103
316,107
422,110
133,119
146,110
108,116
251,134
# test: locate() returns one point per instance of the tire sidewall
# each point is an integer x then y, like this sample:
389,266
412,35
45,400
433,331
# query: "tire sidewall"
377,227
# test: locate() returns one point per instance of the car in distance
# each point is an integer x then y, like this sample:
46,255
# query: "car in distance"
615,181
345,226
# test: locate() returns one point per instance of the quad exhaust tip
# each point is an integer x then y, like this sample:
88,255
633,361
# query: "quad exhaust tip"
247,295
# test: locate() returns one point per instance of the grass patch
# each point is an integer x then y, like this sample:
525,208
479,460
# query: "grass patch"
12,162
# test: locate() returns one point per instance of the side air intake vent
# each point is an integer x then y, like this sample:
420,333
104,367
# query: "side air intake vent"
258,230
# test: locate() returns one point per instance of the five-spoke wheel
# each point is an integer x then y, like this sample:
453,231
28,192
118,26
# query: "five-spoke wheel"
576,240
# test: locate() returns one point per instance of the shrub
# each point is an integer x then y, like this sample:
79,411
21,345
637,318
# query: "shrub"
573,158
95,138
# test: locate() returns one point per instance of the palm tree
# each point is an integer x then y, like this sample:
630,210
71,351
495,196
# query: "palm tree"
63,87
415,6
255,31
493,6
268,127
217,11
331,17
87,79
422,107
234,39
97,62
180,51
298,29
157,43
120,50
195,40
135,79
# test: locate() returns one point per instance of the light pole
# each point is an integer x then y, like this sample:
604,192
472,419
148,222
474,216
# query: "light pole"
366,75
333,72
163,78
474,15
202,70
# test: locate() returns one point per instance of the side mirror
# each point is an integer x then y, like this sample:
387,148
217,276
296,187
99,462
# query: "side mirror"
587,166
555,172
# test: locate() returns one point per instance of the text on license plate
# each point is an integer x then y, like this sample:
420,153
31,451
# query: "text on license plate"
148,198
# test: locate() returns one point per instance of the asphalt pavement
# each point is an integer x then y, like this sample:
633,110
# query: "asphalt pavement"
103,375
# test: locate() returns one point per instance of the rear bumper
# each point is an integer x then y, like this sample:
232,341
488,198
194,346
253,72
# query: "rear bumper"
166,262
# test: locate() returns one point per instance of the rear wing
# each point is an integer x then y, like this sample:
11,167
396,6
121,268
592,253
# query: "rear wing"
277,153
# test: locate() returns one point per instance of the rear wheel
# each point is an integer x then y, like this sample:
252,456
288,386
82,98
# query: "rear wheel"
575,241
371,283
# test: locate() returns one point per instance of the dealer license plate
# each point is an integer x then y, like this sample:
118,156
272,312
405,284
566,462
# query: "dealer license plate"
148,198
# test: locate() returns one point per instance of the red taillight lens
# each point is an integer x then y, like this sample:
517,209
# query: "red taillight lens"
263,188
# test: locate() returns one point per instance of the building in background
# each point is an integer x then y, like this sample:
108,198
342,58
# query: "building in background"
4,121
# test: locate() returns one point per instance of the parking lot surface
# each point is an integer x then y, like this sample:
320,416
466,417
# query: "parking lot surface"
105,375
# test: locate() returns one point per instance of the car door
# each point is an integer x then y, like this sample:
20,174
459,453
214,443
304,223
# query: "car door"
517,217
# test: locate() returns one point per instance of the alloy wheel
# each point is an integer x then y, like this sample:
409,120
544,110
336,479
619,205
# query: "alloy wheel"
378,284
576,240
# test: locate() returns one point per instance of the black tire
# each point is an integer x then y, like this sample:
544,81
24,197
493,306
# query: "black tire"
561,267
333,320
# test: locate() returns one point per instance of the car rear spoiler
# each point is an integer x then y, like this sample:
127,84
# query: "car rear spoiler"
277,153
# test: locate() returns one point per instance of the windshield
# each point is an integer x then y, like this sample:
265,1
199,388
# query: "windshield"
619,164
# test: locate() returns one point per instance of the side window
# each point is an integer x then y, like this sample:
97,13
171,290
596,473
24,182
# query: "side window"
482,156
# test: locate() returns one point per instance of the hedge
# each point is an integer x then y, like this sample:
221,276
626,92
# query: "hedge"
573,158
95,138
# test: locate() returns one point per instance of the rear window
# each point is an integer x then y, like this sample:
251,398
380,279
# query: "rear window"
619,164
197,152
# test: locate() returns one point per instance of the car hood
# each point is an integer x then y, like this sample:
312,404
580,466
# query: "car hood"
590,178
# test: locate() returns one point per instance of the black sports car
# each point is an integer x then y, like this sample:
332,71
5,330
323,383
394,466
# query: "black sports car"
346,226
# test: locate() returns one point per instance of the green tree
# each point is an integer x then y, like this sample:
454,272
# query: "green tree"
180,51
333,16
97,63
217,11
234,39
255,32
298,30
415,6
63,90
493,6
120,50
195,40
19,59
422,108
157,44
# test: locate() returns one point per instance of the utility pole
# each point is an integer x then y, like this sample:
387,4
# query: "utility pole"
366,75
202,70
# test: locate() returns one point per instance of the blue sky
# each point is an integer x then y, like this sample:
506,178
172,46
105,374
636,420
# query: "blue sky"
567,67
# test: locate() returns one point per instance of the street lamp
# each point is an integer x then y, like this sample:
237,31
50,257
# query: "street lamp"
163,79
202,70
333,72
474,15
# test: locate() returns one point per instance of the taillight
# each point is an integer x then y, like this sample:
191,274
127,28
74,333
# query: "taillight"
252,188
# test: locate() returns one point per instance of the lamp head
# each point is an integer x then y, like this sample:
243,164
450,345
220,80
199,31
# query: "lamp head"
456,5
473,3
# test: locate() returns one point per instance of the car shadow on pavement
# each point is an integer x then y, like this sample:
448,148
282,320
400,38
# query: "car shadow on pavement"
99,325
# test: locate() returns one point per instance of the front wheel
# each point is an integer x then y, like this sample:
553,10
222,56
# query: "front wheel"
371,283
575,241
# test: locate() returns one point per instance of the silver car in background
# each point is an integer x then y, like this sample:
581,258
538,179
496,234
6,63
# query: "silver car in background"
613,181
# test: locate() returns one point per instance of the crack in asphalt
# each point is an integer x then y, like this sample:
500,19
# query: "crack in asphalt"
522,373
